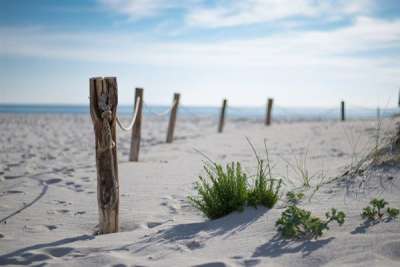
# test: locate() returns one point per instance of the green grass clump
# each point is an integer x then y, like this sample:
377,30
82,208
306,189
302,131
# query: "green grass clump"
266,189
226,192
229,189
374,211
265,192
299,223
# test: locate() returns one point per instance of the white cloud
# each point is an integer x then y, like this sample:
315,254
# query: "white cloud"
312,59
227,13
287,48
256,11
139,9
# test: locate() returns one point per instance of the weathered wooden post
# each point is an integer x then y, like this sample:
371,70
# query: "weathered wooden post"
222,116
172,118
399,98
268,117
137,126
103,107
342,111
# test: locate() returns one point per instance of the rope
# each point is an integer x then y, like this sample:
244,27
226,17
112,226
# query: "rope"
161,113
106,142
129,127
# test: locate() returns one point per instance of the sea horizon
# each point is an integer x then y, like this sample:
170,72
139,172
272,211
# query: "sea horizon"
237,112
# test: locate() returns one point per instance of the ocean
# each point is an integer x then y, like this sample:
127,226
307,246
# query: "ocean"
279,112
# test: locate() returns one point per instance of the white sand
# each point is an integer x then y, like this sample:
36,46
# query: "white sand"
47,173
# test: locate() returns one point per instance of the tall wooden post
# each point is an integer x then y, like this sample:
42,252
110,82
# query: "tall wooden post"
103,107
342,111
172,118
268,117
137,126
222,116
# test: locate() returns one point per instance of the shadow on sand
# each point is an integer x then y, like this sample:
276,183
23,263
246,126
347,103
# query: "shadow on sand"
228,225
278,246
24,256
363,227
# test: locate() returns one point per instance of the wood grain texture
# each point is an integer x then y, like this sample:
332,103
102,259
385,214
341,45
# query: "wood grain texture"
137,126
172,119
103,106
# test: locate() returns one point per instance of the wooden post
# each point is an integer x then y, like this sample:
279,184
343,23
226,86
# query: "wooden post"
172,118
137,126
399,98
268,117
222,116
103,107
342,111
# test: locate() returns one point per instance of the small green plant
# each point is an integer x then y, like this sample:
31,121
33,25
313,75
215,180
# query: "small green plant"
226,192
294,198
299,223
375,210
266,188
393,213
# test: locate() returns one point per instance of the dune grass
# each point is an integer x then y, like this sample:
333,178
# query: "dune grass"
225,192
229,189
265,190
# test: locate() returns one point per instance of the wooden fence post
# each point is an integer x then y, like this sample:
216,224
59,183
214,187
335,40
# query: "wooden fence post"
399,98
103,107
222,116
172,118
268,117
342,111
137,126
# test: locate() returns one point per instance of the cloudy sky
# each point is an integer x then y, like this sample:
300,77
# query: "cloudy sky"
301,52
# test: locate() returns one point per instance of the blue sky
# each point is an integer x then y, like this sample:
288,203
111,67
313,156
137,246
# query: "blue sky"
301,52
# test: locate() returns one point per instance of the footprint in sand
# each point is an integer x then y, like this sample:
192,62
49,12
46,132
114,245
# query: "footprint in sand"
75,187
51,227
60,202
63,211
15,174
194,244
154,224
251,262
53,181
10,192
85,179
212,264
38,228
173,207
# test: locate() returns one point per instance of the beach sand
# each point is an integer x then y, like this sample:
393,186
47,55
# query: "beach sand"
48,200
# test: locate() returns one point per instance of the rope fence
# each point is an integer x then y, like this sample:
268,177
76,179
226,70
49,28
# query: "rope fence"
103,109
159,114
129,127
